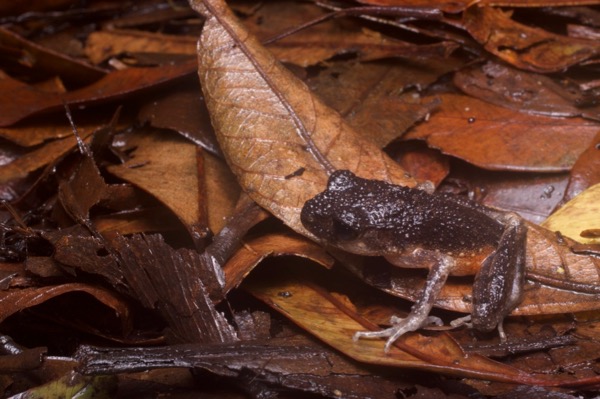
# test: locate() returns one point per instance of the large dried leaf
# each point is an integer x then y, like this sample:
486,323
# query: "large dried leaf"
279,139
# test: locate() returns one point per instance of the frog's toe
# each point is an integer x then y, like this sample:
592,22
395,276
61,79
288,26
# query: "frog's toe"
429,321
462,321
419,313
400,327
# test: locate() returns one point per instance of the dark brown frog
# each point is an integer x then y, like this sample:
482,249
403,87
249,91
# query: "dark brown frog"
412,228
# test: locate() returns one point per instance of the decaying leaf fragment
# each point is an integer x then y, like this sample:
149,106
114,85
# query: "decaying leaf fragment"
279,139
177,285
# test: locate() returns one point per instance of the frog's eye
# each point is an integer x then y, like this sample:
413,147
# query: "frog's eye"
344,231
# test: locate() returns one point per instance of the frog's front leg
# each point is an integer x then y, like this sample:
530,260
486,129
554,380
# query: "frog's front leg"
441,266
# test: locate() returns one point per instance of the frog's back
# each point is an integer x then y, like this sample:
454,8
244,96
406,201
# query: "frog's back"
441,221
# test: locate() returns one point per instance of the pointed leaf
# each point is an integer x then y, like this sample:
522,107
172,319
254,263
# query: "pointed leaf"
277,137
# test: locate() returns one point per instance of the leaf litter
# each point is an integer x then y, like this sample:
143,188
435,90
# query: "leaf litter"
482,100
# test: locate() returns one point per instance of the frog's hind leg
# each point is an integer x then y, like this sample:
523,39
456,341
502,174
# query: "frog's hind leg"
419,313
498,286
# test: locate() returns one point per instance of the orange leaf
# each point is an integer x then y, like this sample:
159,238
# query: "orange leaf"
332,321
497,138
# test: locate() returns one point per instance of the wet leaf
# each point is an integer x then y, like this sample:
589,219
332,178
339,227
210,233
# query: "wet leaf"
25,360
17,8
36,159
533,197
35,133
501,139
16,300
253,252
328,38
75,247
84,189
422,162
182,110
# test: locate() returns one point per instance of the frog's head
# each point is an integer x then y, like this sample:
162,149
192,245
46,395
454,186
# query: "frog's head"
348,214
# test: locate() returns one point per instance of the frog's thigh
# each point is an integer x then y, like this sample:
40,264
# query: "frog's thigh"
419,258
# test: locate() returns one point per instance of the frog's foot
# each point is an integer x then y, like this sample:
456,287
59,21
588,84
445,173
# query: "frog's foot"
468,322
400,327
462,321
419,314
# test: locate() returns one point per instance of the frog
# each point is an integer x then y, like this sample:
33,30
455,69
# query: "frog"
414,227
